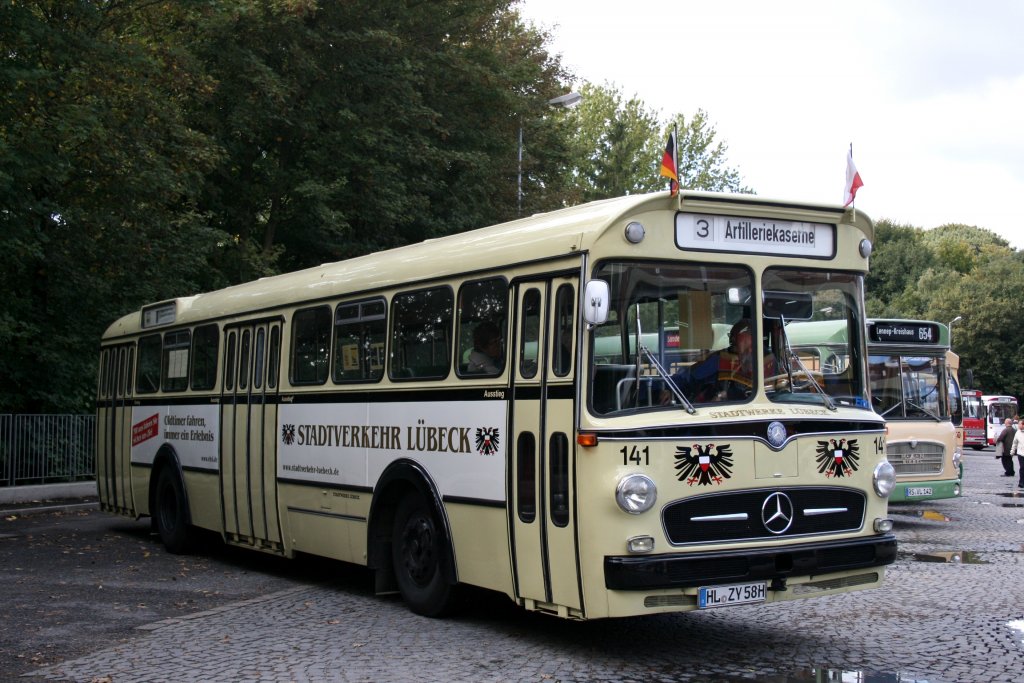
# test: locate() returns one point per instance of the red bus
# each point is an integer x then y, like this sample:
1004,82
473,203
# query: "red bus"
974,419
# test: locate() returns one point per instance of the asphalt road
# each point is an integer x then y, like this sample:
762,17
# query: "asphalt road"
95,598
79,580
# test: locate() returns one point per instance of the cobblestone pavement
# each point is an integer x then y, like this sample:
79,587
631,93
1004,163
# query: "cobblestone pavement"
932,621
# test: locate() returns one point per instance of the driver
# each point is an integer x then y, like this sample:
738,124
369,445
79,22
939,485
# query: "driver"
725,375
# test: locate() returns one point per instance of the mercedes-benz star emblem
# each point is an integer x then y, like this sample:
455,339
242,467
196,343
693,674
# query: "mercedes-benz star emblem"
777,513
776,434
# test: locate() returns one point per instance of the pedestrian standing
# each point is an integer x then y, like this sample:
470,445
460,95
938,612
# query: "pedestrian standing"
1018,449
1006,441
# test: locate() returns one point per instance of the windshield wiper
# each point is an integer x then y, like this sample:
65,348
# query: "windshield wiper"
668,380
792,356
642,349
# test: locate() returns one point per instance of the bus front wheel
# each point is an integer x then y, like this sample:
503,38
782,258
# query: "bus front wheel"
417,549
170,513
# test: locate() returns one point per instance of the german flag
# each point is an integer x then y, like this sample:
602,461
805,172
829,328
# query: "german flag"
668,164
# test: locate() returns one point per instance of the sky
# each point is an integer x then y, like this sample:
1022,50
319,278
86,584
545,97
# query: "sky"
930,93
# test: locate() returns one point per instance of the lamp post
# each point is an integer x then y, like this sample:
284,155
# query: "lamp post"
565,101
950,326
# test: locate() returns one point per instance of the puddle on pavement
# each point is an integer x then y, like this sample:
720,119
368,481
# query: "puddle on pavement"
951,557
827,675
934,516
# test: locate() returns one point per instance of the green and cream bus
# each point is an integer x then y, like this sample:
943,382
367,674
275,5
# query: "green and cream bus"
339,411
914,386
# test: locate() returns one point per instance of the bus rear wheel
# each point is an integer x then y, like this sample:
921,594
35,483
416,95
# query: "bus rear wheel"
417,551
170,512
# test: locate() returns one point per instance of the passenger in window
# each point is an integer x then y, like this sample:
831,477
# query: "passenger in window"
725,375
488,355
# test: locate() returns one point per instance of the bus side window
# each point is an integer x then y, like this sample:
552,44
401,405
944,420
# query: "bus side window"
529,347
147,378
526,477
360,330
229,363
421,326
204,357
483,325
274,361
311,345
559,479
562,342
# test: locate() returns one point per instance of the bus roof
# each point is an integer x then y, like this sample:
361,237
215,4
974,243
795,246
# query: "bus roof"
542,236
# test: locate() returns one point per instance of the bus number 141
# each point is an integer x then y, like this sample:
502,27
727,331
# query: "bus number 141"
636,455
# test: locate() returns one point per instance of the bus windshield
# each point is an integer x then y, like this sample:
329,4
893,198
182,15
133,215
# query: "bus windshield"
908,387
695,327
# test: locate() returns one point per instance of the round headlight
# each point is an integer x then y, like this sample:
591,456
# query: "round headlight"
636,493
958,455
884,479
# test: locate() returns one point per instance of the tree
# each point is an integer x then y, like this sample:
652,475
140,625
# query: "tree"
618,145
899,260
702,159
98,180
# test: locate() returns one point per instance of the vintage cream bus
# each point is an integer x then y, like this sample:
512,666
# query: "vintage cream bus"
543,408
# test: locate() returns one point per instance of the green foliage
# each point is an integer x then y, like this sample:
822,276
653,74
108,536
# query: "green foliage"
98,177
618,145
157,149
702,158
950,271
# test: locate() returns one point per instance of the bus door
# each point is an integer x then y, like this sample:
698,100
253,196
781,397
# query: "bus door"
248,452
114,428
542,478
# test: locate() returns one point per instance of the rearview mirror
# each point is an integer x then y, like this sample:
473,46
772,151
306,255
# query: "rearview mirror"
787,305
596,299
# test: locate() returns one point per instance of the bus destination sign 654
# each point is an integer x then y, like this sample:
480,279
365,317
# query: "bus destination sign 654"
903,332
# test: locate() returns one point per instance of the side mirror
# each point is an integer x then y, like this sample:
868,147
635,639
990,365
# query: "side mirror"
596,298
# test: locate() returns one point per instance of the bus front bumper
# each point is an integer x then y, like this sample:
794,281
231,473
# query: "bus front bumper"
680,570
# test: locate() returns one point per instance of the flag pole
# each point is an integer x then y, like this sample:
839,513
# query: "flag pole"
675,142
853,202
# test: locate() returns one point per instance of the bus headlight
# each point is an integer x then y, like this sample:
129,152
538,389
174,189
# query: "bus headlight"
636,493
884,479
958,455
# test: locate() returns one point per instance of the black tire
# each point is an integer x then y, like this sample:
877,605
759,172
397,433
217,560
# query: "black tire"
170,512
418,551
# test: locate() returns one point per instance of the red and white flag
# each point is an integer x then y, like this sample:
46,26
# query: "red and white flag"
853,181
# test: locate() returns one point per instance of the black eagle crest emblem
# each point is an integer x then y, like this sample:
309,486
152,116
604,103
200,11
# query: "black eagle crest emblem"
288,434
699,465
837,458
487,440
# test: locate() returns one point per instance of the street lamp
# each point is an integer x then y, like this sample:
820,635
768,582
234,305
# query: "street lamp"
565,101
950,326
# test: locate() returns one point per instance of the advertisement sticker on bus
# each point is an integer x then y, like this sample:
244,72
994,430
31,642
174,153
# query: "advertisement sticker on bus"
193,432
460,443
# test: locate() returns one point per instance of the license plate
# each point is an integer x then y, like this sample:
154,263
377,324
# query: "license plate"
738,594
919,491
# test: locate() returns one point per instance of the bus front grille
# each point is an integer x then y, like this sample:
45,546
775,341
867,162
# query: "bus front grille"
916,457
746,515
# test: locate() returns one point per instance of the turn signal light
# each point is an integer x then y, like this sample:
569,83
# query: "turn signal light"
586,440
